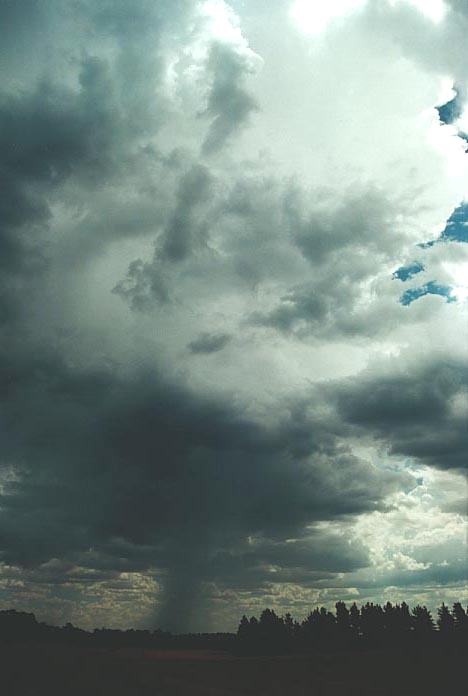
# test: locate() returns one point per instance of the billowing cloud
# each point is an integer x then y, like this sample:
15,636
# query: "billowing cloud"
102,458
229,103
420,412
213,391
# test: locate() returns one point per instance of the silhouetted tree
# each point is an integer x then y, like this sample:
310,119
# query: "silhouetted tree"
247,635
372,622
342,617
254,630
445,620
272,631
343,623
423,623
18,626
243,632
390,620
460,619
370,626
318,628
405,623
288,625
355,620
309,627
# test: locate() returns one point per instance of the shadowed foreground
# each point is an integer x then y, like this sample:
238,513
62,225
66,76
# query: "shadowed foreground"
371,651
74,671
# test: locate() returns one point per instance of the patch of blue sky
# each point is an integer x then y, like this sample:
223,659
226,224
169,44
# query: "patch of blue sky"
430,288
406,272
452,110
456,229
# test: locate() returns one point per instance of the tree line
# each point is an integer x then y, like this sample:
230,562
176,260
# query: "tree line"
371,625
368,626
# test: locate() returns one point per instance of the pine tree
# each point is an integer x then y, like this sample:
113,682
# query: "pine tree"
288,625
460,619
445,620
372,620
343,625
243,632
405,623
355,620
423,623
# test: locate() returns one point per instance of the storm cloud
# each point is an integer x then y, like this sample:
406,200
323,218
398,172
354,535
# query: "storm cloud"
212,392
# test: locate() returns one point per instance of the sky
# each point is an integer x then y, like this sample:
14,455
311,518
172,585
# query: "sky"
233,307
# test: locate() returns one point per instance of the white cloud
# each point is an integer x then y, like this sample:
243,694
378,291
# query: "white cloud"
313,16
435,10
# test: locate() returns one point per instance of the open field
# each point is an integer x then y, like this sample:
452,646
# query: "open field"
56,671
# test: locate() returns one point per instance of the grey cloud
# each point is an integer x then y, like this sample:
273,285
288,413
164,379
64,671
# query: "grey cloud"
411,410
317,552
244,233
89,120
75,122
442,574
400,583
362,221
119,469
222,231
50,135
302,309
209,343
255,564
23,28
434,574
171,473
437,46
229,103
122,472
460,507
51,132
345,245
184,233
143,284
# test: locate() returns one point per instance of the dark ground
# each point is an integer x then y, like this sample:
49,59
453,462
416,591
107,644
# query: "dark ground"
68,671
